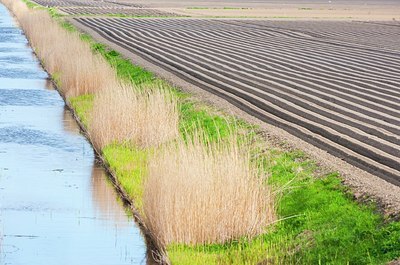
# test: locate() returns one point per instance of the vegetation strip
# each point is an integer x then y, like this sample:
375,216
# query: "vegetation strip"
307,235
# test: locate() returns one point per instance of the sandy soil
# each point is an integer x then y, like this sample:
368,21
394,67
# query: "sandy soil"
304,12
286,9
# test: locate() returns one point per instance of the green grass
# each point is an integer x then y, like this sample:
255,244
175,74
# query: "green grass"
324,224
321,223
82,106
127,163
198,8
31,4
129,166
125,69
192,115
235,8
339,230
52,11
242,251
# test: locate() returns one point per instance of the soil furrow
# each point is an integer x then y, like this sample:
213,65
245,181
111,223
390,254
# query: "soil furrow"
271,95
327,132
329,92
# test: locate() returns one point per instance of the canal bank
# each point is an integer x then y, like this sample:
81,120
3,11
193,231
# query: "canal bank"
365,233
56,204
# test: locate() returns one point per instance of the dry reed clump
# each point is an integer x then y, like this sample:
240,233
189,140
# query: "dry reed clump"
125,115
16,7
197,193
63,54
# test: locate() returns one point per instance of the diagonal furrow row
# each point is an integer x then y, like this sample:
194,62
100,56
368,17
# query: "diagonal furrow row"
141,12
376,34
279,56
348,106
344,94
260,37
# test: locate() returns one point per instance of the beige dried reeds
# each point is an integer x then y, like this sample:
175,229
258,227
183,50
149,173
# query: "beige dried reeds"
197,193
86,76
125,115
16,7
64,55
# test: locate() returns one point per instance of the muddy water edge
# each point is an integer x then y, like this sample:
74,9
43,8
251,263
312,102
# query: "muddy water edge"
56,205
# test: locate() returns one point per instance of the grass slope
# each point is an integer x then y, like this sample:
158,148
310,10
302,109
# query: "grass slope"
321,223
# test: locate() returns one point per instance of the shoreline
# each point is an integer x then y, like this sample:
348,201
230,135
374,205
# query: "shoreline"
127,201
100,160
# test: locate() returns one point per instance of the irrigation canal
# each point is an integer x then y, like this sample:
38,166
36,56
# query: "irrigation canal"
56,206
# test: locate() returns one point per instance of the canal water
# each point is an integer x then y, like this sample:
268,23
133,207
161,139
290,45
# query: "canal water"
56,205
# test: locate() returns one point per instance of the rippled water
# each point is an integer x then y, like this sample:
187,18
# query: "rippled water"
56,205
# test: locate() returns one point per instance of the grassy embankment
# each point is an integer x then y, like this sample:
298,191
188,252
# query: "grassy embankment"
320,221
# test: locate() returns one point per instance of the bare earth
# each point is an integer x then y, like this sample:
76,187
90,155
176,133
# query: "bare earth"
275,9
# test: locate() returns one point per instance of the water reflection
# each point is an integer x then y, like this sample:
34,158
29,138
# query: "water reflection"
49,84
69,124
105,198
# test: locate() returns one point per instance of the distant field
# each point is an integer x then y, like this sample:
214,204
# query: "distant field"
256,3
281,9
111,7
335,85
77,3
385,10
143,12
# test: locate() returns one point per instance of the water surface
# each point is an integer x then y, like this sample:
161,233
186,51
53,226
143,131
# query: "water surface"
56,205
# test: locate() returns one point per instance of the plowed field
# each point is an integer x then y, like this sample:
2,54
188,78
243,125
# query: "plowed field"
335,85
76,3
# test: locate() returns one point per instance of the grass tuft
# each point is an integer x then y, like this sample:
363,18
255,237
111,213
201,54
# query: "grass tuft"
125,115
62,53
200,193
128,116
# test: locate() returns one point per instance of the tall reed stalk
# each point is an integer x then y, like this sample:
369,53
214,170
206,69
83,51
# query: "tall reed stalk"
196,192
64,55
126,115
200,193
